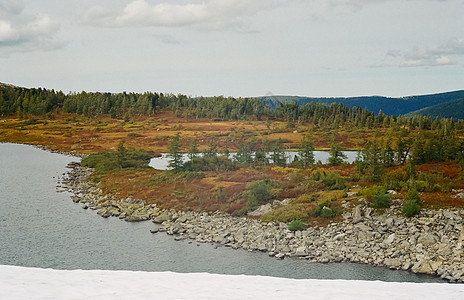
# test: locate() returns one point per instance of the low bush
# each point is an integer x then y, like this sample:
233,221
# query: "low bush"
287,213
378,196
327,212
296,225
214,163
412,205
104,162
260,191
333,181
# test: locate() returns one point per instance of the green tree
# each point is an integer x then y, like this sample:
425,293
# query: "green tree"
278,155
244,154
193,150
411,171
175,161
371,156
212,148
336,157
306,153
388,154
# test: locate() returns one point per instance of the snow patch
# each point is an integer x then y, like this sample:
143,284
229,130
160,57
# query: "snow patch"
33,283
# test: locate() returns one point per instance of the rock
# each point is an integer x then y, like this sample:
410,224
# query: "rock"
389,222
339,236
392,263
423,266
263,209
459,195
301,251
389,240
427,239
164,216
434,265
357,215
280,256
136,218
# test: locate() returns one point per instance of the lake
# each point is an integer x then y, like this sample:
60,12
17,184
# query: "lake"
161,163
41,227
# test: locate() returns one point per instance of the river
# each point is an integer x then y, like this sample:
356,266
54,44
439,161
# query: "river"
41,227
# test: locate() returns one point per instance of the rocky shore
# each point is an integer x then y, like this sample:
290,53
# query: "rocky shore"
431,243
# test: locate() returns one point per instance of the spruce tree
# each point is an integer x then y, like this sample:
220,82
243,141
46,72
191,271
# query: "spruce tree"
175,162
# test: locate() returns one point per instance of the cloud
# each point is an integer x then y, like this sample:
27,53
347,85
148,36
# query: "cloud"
445,54
25,32
210,15
357,5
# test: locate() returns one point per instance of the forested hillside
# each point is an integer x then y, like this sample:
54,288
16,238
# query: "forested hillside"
453,109
389,106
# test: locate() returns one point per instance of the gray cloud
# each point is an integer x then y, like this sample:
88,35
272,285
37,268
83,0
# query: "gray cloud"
208,15
357,5
25,32
445,54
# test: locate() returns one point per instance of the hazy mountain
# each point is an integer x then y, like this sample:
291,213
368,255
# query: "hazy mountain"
453,109
389,106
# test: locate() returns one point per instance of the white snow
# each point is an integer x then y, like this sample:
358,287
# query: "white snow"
33,283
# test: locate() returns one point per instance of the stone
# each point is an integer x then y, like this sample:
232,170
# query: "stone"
301,251
339,236
392,263
389,222
357,215
423,266
389,240
280,256
427,239
164,216
263,209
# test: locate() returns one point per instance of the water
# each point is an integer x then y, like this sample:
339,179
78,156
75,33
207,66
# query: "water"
40,227
161,163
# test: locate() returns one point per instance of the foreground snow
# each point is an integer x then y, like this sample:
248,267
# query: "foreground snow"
32,283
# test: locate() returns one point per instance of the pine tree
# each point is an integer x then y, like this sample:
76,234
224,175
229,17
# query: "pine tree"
193,150
306,153
175,162
336,157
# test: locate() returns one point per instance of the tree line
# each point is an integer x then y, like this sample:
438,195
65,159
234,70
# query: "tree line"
23,101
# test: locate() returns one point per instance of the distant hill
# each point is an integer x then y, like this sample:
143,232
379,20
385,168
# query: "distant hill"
452,109
389,106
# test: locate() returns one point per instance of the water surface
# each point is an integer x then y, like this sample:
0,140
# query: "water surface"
40,227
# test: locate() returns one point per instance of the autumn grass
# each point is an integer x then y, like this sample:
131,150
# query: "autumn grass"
225,191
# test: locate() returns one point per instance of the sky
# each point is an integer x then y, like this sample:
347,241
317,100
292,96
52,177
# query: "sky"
319,48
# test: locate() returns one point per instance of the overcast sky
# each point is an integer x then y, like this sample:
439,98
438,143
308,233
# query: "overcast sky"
235,47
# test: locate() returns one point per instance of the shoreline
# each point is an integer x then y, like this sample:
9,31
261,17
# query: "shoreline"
431,243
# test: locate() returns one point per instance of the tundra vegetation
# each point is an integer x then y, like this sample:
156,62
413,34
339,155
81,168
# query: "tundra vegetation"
418,160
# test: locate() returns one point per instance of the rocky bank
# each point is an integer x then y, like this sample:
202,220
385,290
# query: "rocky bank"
431,243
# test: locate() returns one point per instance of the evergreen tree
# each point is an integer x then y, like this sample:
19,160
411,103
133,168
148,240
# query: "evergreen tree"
212,149
244,154
193,150
175,162
336,157
306,153
388,154
278,155
372,157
